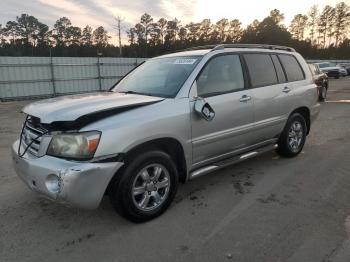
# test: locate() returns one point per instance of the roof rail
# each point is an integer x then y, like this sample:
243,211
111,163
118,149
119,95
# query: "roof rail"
223,46
264,46
199,47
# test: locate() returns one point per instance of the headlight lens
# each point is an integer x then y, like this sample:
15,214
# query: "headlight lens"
80,146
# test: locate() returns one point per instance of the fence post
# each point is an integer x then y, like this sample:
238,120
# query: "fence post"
52,76
99,72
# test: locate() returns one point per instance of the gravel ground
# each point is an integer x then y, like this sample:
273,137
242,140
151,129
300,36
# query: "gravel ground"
264,209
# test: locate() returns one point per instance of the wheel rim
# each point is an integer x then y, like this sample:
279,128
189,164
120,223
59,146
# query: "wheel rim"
295,136
151,187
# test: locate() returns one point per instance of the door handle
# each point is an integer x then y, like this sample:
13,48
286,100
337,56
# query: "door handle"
244,98
286,89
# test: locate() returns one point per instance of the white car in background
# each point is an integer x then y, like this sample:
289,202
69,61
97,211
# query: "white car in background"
330,69
343,70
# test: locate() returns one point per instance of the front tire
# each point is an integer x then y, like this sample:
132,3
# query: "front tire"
293,137
146,186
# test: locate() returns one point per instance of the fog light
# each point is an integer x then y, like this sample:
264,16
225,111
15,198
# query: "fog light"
53,183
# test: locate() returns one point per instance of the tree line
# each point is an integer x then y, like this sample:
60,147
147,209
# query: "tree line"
316,34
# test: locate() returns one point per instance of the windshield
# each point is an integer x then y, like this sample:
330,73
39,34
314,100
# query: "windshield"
161,77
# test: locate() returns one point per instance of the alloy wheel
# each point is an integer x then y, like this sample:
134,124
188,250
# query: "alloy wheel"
151,187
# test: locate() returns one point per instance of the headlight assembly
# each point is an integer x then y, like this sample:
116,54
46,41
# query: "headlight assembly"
78,146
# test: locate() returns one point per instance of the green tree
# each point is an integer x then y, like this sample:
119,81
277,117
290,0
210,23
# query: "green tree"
42,38
298,26
182,34
173,27
162,27
325,23
146,22
222,27
61,31
28,29
276,16
235,31
193,31
312,21
2,35
249,35
73,35
101,37
86,37
341,21
11,31
131,33
269,31
205,30
140,34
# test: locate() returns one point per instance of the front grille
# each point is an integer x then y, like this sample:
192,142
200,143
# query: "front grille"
32,135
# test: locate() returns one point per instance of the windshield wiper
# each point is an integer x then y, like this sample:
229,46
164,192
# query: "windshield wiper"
135,93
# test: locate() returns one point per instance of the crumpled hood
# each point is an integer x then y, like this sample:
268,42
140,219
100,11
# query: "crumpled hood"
72,107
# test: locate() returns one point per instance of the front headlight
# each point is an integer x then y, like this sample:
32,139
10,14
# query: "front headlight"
79,146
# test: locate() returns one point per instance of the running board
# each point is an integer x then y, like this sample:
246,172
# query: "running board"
224,163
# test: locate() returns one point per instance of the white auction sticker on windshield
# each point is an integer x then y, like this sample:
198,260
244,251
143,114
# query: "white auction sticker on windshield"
185,61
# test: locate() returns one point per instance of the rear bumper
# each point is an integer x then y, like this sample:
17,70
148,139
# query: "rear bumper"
78,184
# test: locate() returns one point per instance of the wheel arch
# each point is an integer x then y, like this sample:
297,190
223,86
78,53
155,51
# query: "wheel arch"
169,145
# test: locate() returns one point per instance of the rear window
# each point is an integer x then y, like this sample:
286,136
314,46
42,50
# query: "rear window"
261,69
292,68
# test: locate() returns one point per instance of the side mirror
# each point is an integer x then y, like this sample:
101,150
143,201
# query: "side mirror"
203,109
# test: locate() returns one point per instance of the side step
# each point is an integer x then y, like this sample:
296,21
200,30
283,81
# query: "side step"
224,163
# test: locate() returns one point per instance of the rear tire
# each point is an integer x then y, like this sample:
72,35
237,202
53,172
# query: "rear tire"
146,187
293,137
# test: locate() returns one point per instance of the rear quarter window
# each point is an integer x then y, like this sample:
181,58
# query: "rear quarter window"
292,68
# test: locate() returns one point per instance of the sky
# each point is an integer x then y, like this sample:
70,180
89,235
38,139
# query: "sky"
101,12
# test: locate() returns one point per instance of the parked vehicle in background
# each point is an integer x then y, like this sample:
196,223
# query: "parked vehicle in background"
321,80
343,70
173,118
330,69
347,67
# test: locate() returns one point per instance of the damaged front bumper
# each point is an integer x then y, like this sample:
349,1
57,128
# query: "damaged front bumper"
79,184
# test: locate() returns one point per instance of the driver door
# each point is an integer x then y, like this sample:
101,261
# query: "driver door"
221,83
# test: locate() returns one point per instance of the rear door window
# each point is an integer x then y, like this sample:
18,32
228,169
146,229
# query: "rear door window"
261,69
292,68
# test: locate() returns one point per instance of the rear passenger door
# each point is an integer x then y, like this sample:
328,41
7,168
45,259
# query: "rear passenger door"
271,94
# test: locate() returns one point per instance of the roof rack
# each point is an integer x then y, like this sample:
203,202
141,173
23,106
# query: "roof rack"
223,46
264,46
200,47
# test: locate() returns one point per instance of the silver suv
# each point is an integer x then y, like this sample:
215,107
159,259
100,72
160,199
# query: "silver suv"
173,118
